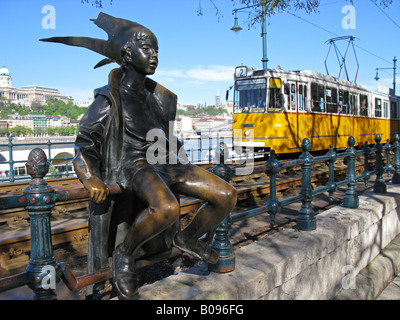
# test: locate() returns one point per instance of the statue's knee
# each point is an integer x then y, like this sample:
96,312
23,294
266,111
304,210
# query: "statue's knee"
168,213
228,197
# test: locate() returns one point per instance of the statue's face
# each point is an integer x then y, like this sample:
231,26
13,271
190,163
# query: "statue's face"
144,55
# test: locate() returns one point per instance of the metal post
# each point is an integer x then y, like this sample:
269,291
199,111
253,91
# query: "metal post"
49,149
305,219
209,147
396,163
42,267
200,144
66,166
351,197
388,167
331,183
221,244
11,159
379,185
394,75
273,168
366,151
264,39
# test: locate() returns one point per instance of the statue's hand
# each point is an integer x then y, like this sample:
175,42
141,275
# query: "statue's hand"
97,189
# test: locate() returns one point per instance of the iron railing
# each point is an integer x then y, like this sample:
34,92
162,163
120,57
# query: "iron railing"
199,147
13,173
305,220
43,272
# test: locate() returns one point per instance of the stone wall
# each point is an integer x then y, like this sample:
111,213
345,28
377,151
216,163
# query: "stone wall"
297,265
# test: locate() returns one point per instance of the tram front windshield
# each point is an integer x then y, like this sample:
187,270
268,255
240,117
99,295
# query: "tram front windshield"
250,96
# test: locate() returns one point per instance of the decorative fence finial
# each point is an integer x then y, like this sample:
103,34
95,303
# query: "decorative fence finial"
37,165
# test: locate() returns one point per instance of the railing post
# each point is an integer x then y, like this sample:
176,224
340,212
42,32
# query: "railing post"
222,244
388,168
11,159
273,168
396,163
351,197
379,185
66,166
331,184
49,149
305,219
42,267
366,174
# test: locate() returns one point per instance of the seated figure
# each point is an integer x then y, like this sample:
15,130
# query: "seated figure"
113,147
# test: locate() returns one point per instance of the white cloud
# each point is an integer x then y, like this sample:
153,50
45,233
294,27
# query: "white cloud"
210,73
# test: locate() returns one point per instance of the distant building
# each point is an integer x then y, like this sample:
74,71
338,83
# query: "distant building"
217,100
209,123
36,122
183,124
84,103
26,95
181,107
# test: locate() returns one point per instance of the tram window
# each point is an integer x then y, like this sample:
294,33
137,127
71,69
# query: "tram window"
353,104
378,108
363,105
250,100
345,107
344,102
301,97
331,100
318,97
293,97
275,95
393,110
305,97
274,102
385,109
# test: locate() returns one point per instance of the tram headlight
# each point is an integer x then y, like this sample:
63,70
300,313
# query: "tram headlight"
247,132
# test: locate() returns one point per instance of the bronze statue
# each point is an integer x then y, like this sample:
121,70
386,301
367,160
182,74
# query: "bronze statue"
111,147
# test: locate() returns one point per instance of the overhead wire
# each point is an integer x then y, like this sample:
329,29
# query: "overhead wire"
326,30
395,23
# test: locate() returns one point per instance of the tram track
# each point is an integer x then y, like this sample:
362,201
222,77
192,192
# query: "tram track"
69,219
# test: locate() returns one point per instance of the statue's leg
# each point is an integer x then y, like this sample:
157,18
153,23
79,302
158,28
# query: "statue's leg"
161,213
99,222
220,197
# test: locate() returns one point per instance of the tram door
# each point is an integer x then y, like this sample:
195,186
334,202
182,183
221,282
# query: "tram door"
297,106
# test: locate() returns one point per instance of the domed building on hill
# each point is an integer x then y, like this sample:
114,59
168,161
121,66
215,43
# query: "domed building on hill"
28,94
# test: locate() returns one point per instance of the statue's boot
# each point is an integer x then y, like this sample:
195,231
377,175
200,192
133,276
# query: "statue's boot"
124,277
196,248
188,239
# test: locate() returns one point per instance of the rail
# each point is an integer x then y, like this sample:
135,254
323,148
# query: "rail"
43,272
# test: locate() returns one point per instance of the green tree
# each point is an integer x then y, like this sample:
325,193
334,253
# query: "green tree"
259,8
55,107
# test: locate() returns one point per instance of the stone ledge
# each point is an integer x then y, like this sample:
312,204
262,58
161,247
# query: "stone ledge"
374,278
292,264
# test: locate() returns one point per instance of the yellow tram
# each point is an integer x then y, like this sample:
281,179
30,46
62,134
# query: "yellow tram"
277,109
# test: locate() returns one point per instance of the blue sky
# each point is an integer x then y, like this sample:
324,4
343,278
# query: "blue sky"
197,54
